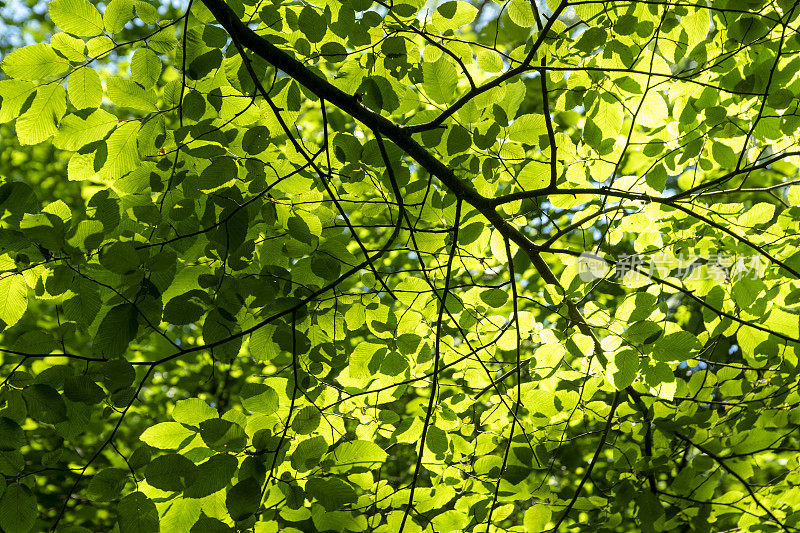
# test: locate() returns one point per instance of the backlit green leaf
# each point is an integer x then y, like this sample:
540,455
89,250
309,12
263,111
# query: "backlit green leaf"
441,79
145,67
78,17
39,122
166,435
84,88
118,13
34,62
13,298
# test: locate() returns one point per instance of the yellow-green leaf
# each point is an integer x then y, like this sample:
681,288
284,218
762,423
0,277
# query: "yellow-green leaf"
78,17
14,93
527,128
126,93
84,88
38,123
608,117
117,15
123,155
68,46
440,79
521,13
34,62
166,435
145,67
489,61
75,132
13,297
453,14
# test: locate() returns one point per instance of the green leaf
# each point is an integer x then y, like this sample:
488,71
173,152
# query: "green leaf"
746,291
11,435
39,122
68,46
357,454
85,305
527,129
120,258
13,298
145,67
521,14
243,499
213,475
489,61
332,493
494,298
118,14
308,453
14,93
451,520
653,111
137,514
166,435
45,404
259,398
222,435
122,155
74,132
171,472
84,88
312,24
261,345
78,17
186,308
163,42
36,341
83,389
146,12
127,93
117,330
34,62
100,46
207,524
534,175
299,229
440,80
724,155
436,440
537,518
760,213
17,509
591,39
453,14
650,510
696,25
622,371
216,330
306,420
193,411
608,114
118,374
255,140
218,173
458,140
107,485
678,346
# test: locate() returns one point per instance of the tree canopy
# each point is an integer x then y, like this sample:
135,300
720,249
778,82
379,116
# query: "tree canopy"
355,265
